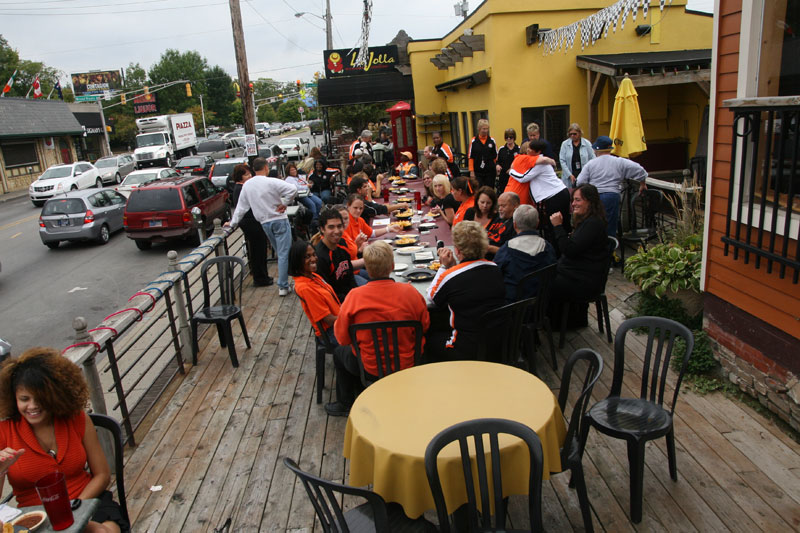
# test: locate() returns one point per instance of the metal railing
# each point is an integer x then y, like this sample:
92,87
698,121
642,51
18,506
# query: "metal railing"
149,342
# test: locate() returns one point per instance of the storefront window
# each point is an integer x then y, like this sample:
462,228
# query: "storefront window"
19,154
552,121
779,68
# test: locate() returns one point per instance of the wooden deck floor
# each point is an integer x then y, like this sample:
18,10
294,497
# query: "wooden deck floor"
214,446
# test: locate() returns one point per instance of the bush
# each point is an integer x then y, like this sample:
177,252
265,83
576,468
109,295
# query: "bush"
649,305
666,267
702,359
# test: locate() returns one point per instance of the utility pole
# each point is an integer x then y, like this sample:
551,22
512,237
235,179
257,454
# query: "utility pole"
241,66
328,33
203,113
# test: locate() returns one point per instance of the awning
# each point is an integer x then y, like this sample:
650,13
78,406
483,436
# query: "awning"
92,122
476,78
365,89
647,69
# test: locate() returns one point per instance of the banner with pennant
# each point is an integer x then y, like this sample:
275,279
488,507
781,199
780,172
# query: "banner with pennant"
37,88
9,84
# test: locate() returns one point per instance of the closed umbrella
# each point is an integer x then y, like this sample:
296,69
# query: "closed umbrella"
627,131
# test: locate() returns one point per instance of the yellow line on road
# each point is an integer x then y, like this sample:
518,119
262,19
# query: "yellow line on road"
18,222
16,235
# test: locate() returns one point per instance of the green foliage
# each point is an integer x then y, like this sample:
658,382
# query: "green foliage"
219,96
649,305
175,65
287,111
356,117
237,114
702,359
197,114
266,114
666,267
26,72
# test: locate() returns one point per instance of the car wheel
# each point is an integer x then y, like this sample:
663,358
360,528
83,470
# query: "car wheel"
99,183
143,245
169,161
117,179
105,235
37,203
226,215
52,244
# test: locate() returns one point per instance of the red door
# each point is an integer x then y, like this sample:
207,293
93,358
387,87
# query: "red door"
66,155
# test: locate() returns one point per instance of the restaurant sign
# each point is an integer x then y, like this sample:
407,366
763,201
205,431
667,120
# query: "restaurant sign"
341,63
145,104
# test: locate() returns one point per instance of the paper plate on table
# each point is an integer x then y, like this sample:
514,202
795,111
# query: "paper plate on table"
388,241
399,267
409,250
419,274
427,225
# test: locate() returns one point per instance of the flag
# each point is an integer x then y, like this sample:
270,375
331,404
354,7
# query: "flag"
37,88
9,84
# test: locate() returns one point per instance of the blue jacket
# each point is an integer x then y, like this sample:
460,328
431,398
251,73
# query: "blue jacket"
565,157
525,253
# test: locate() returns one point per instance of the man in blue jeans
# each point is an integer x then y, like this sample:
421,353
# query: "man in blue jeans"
608,173
268,198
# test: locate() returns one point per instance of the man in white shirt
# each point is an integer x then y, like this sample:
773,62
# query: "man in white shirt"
268,197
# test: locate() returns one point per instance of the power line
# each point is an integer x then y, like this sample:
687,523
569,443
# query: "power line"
108,12
249,3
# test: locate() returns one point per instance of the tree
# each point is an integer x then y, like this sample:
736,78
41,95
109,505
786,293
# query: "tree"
220,94
122,115
287,111
174,66
266,113
26,72
356,117
135,76
197,114
237,115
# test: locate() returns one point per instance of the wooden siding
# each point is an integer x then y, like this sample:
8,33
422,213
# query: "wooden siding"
764,295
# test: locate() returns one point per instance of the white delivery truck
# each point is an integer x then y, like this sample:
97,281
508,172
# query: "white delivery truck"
164,139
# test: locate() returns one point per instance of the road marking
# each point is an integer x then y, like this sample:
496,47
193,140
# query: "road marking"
16,235
18,222
75,289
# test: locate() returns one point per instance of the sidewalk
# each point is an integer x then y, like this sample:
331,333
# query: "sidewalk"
13,195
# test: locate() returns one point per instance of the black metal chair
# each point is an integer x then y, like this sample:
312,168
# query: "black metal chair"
572,451
638,420
323,347
107,423
474,431
230,283
372,516
539,283
502,332
600,301
385,344
646,220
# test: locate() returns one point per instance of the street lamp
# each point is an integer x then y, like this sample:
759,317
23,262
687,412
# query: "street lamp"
327,19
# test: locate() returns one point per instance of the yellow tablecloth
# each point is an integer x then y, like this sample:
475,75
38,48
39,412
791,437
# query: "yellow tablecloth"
392,422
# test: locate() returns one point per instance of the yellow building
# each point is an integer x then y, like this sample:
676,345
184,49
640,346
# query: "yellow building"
493,66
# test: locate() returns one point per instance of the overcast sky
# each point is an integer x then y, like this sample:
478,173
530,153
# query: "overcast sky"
83,35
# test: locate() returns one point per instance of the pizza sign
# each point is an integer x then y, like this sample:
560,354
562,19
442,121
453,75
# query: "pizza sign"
339,63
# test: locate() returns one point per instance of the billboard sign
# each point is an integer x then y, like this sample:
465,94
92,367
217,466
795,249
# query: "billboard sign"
96,82
145,104
340,63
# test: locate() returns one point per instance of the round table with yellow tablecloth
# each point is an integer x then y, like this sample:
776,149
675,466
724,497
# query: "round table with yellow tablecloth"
393,420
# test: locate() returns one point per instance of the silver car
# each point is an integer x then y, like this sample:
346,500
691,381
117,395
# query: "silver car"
89,215
114,168
137,178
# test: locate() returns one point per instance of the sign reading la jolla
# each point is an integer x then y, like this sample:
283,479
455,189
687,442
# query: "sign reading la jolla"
340,63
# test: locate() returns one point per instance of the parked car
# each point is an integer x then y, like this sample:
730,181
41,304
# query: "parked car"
286,127
275,129
196,165
223,169
162,210
87,215
221,148
316,127
261,129
294,147
136,179
239,132
114,168
63,178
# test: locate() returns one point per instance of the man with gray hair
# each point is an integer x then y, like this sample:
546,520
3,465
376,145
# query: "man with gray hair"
363,145
525,253
501,229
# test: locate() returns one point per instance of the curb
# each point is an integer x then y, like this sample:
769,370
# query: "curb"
10,196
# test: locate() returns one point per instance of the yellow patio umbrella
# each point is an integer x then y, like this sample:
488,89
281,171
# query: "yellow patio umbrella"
627,131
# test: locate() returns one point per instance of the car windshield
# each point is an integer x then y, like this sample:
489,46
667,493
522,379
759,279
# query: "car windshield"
150,139
63,206
143,200
211,146
138,179
223,169
56,172
106,163
191,162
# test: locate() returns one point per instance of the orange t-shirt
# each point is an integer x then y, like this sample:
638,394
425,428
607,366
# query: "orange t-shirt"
521,164
356,226
36,462
317,298
462,210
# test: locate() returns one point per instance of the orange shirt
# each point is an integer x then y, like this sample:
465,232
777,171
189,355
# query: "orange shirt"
521,164
462,210
317,298
36,462
356,226
378,301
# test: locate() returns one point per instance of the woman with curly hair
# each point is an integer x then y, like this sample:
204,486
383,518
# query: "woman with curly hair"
45,428
464,189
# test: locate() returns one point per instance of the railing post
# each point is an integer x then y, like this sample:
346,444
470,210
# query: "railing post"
218,232
90,368
180,304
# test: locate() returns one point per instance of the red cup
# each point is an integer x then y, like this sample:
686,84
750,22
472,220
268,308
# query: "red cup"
386,194
52,490
418,199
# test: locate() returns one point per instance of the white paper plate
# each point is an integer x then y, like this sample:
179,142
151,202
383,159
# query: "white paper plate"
408,250
427,225
399,267
388,241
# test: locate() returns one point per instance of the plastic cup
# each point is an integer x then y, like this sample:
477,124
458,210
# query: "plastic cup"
418,199
52,490
385,194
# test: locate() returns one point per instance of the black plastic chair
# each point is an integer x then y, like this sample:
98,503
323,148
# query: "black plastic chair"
385,344
572,451
323,346
502,332
108,423
538,318
476,429
600,301
223,314
373,516
646,220
638,420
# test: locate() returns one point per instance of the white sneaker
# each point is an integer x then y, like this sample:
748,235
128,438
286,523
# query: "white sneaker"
283,292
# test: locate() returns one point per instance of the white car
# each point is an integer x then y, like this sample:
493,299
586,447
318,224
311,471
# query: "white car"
294,147
137,178
63,178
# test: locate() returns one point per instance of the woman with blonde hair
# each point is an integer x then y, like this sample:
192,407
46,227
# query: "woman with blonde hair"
575,152
482,156
443,201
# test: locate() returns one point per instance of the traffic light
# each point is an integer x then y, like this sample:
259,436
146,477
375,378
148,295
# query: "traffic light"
280,95
299,84
251,85
188,90
122,99
146,90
